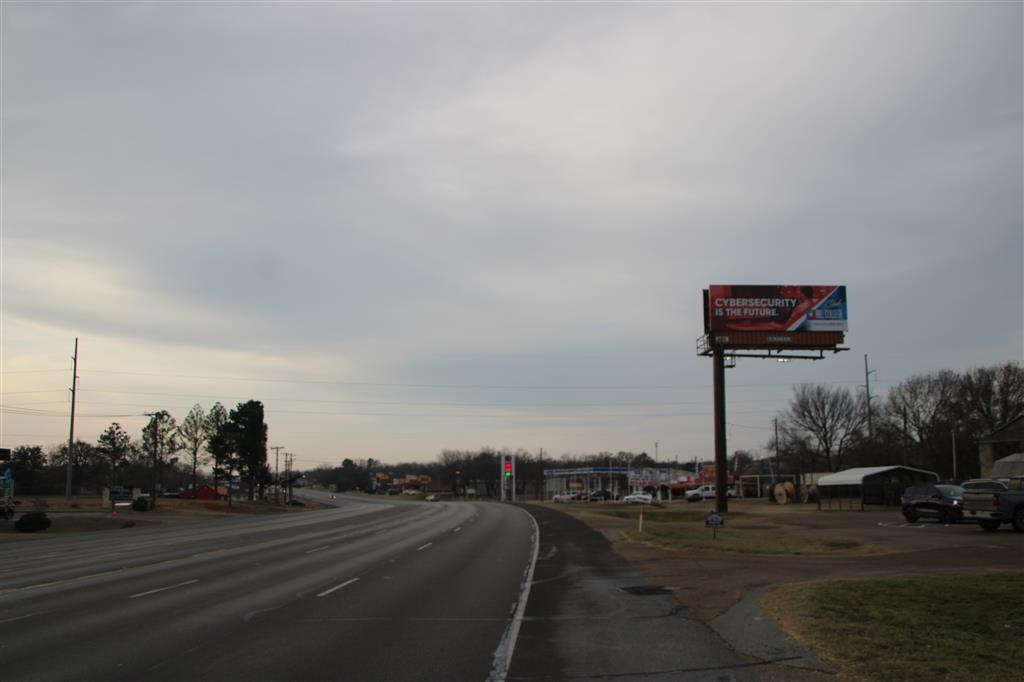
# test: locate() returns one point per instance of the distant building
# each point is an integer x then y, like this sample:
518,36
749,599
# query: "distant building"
205,492
1004,440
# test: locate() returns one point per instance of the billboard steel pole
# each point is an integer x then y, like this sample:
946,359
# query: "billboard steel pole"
721,482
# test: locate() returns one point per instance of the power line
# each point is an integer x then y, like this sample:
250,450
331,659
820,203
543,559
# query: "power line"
433,404
375,384
30,371
519,414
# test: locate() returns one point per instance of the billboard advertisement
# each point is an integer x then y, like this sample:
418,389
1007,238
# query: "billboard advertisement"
776,307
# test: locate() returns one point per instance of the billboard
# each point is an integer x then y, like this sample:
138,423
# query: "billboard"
776,308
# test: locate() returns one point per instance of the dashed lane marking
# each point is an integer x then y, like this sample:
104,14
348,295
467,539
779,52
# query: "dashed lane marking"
163,589
337,587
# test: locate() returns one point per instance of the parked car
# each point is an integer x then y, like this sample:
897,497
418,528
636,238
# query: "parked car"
600,496
990,508
567,496
942,501
412,491
706,492
432,498
638,498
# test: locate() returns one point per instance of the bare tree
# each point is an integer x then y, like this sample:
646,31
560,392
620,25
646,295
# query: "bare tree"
831,417
160,439
990,397
193,439
927,404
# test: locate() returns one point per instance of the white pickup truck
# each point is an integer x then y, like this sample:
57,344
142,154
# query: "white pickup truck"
1002,502
706,492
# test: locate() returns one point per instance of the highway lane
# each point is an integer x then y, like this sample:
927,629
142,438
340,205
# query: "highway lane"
370,590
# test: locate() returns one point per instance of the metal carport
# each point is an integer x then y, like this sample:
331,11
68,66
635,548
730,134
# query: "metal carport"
869,485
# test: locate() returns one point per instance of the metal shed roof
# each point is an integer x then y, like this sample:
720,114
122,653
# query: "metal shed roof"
856,476
1009,466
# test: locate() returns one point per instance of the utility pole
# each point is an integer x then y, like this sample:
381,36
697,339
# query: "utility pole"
867,391
953,433
288,459
71,435
776,420
277,472
543,492
905,446
152,457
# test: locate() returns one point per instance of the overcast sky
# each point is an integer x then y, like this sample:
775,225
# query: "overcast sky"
411,227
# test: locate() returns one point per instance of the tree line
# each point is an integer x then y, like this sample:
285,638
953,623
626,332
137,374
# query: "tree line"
165,453
456,471
922,422
930,421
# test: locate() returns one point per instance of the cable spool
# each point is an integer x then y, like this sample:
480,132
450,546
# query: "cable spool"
780,494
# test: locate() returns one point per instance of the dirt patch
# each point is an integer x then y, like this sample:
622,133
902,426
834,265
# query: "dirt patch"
714,581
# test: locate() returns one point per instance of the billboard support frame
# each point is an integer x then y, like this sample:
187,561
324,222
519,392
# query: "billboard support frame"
723,349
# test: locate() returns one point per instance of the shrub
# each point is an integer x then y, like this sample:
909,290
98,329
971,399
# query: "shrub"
32,521
140,504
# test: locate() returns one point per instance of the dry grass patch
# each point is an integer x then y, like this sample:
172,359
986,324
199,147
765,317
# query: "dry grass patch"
958,627
662,515
746,540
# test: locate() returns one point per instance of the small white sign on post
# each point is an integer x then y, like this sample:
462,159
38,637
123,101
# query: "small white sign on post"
714,521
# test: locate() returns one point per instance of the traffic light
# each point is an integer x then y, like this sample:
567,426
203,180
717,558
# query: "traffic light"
508,469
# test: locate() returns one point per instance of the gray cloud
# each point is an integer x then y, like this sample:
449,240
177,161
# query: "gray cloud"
416,194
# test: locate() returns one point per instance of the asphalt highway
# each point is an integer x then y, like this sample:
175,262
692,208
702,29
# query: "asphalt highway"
370,590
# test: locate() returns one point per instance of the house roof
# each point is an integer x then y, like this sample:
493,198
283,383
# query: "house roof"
857,475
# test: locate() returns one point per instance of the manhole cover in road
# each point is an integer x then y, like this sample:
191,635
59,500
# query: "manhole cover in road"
646,590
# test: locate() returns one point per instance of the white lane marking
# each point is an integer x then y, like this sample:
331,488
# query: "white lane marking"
337,587
163,589
317,549
507,647
457,529
58,582
27,615
420,549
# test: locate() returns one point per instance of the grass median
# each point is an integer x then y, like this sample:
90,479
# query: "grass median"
661,515
953,627
746,540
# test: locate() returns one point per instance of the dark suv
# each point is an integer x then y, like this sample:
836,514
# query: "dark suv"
941,501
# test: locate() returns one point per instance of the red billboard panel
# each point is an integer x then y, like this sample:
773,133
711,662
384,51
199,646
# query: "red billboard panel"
775,307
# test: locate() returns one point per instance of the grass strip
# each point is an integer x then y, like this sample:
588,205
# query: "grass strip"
669,515
951,627
752,541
